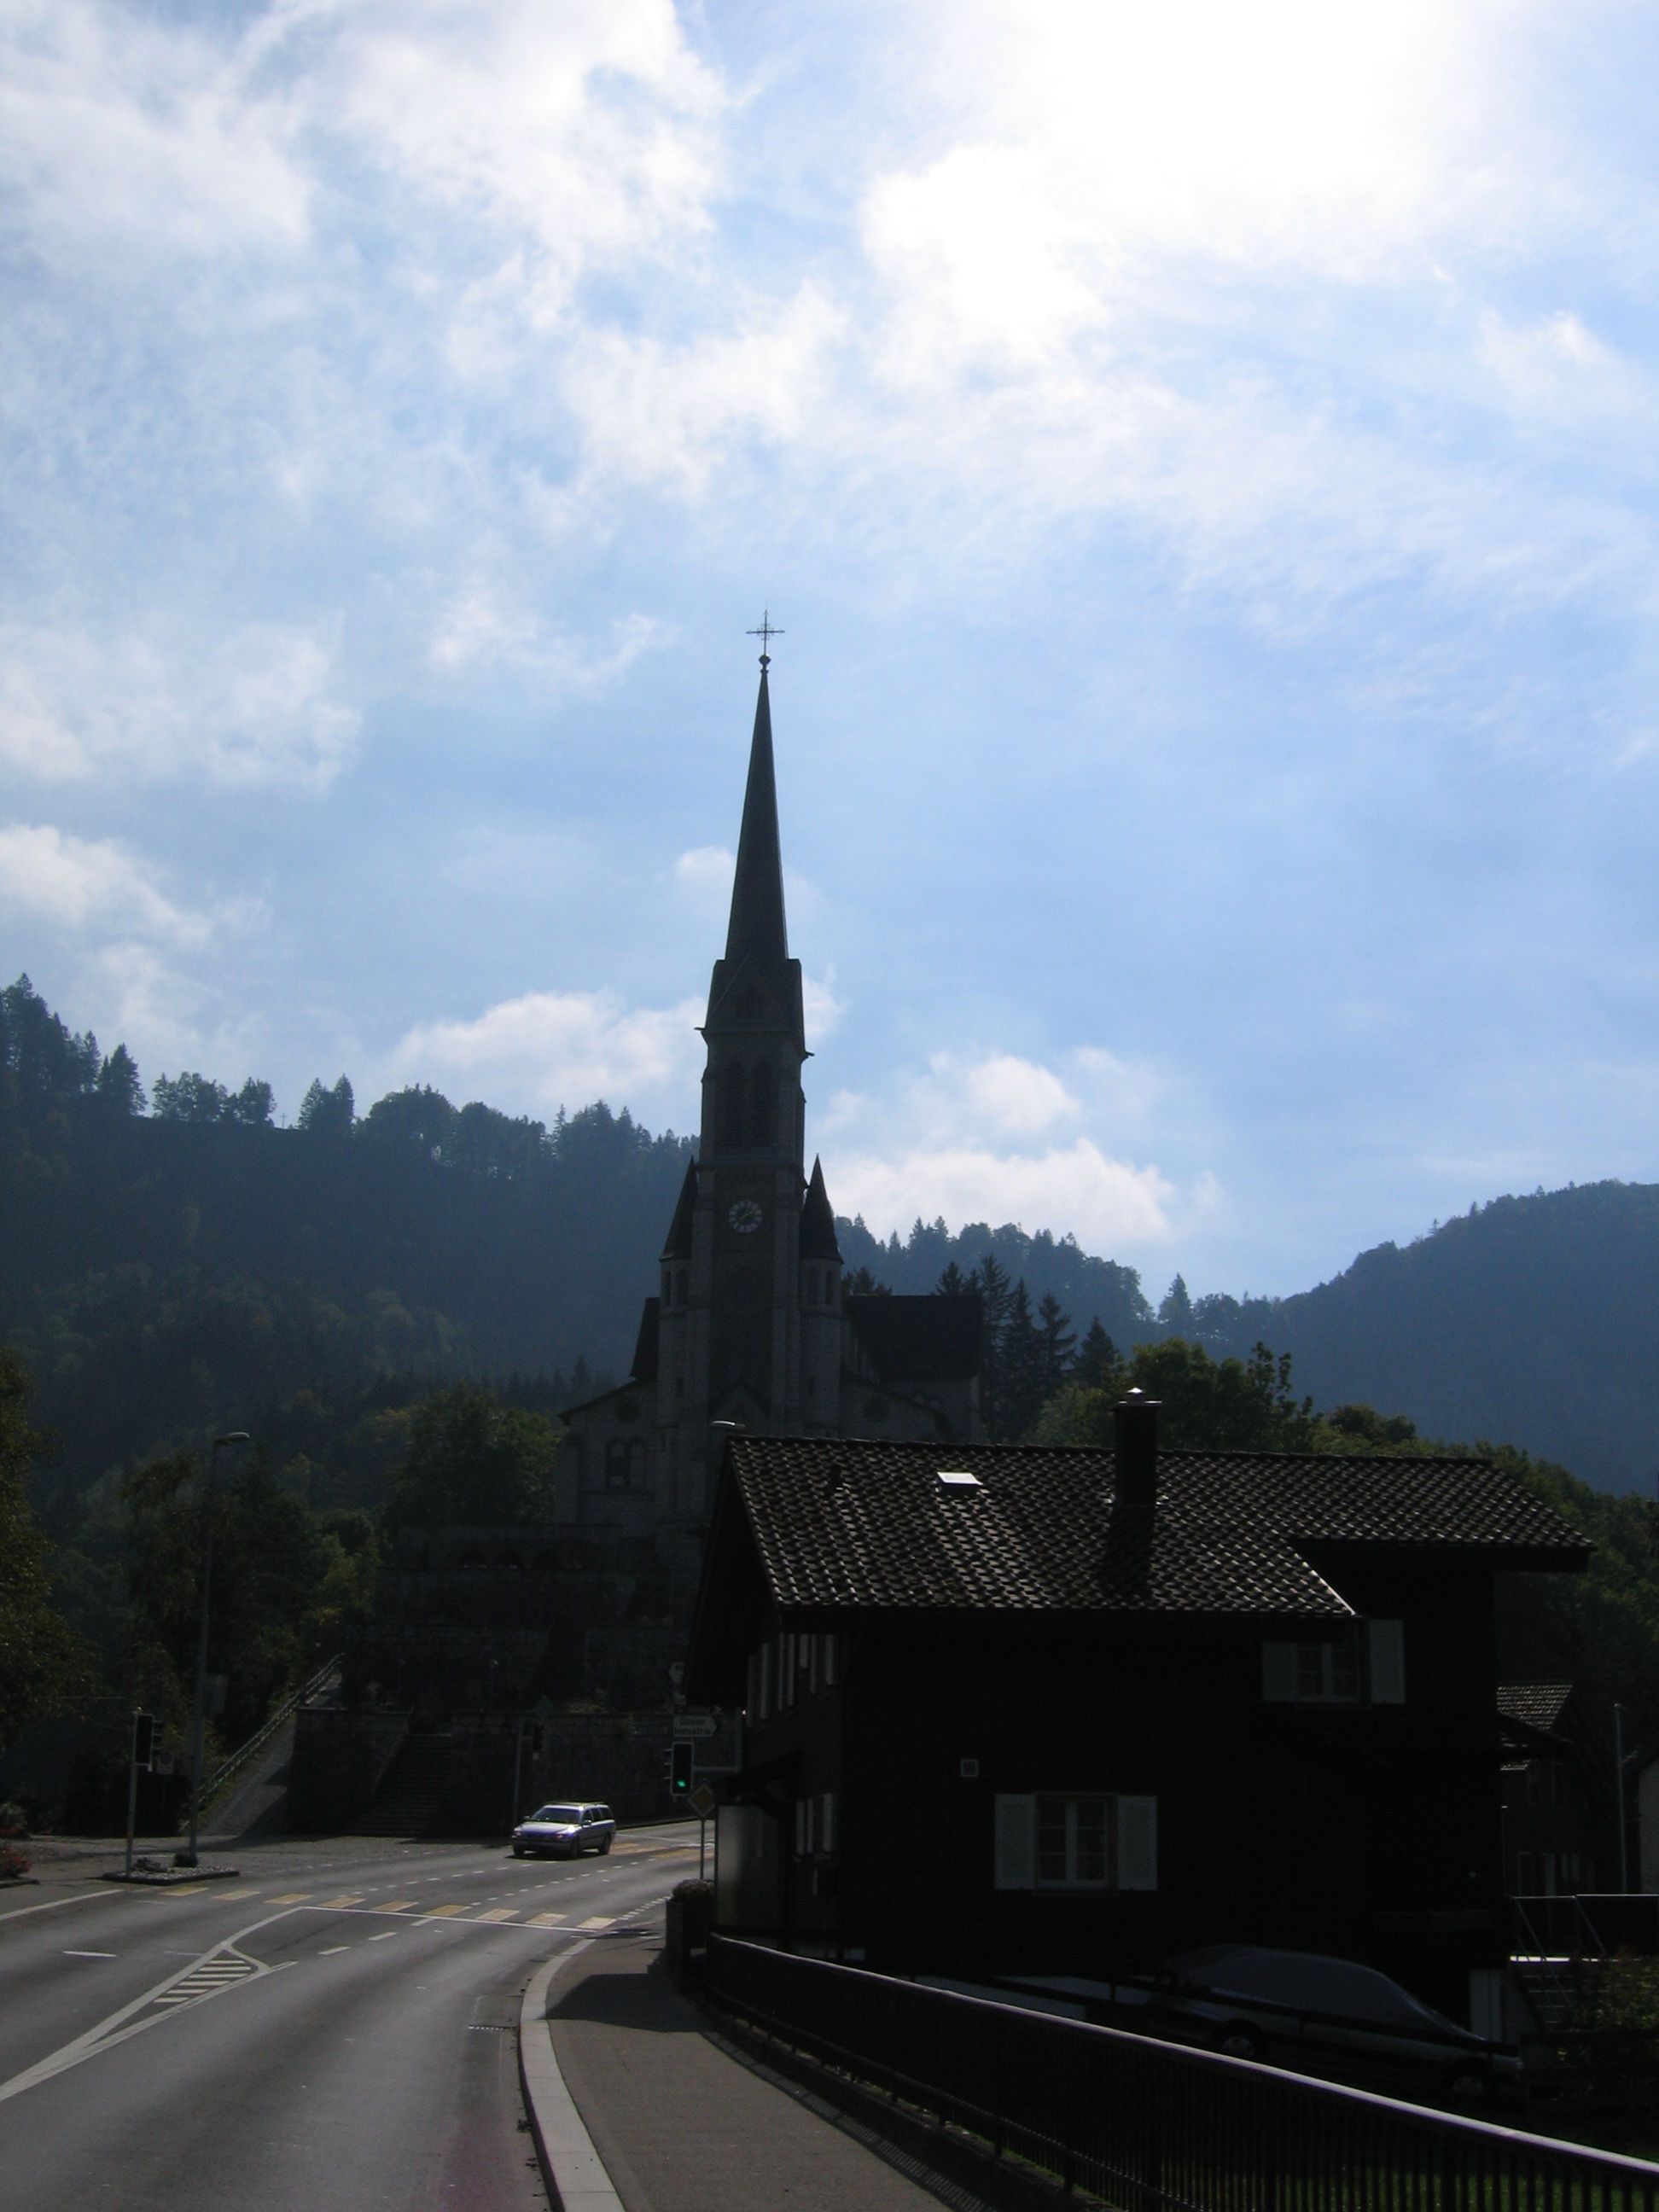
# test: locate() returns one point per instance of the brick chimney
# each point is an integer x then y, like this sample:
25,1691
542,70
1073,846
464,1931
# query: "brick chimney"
1134,1439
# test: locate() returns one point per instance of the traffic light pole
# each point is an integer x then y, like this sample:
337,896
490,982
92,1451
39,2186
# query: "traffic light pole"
132,1788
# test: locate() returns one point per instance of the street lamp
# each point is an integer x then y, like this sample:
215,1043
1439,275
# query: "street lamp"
235,1436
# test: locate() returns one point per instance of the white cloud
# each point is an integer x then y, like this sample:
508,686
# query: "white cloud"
78,884
822,1008
564,1047
482,626
253,708
706,868
1017,1096
1107,1204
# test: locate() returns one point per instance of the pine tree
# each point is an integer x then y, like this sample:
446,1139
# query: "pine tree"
1022,1365
1058,1341
953,1283
1097,1363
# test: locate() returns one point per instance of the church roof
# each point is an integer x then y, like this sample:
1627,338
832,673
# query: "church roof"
644,1366
919,1340
678,1246
817,1222
757,929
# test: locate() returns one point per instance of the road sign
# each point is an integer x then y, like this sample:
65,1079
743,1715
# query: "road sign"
702,1801
694,1727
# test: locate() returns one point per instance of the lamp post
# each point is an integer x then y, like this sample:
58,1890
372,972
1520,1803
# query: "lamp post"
235,1436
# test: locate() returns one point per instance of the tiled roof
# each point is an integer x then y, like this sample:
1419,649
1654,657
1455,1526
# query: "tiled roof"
919,1340
842,1525
1539,1705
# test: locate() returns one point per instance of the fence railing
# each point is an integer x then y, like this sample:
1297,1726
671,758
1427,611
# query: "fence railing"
1145,2125
239,1758
1591,1926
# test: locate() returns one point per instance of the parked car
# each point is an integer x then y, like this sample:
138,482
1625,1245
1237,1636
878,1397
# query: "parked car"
560,1831
1298,2009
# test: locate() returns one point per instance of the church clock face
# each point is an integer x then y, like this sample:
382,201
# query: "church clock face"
745,1217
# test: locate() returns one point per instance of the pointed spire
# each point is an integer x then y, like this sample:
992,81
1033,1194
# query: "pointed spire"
757,928
817,1220
678,1246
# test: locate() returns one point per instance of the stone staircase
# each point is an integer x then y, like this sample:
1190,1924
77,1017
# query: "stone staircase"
413,1791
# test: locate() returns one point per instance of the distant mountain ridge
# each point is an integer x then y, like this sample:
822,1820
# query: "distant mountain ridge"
168,1271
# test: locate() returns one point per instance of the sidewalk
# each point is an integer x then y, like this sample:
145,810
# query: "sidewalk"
680,2126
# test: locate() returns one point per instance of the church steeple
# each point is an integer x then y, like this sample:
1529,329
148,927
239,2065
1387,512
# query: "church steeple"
757,929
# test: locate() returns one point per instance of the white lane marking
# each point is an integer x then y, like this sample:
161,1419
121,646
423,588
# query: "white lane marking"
88,1954
385,1937
52,1904
123,2023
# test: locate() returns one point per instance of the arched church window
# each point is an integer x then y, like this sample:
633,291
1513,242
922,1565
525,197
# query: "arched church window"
682,1285
636,1465
615,1464
732,1133
764,1128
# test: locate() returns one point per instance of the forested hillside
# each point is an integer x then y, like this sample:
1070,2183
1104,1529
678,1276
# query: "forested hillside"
166,1272
1529,1320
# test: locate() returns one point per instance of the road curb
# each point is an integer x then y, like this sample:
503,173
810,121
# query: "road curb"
572,2168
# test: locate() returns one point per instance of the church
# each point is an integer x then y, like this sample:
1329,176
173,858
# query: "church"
752,1330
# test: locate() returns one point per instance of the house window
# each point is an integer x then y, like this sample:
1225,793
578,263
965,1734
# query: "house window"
615,1464
1098,1841
1329,1674
766,1681
827,1822
1557,1783
829,1662
637,1477
1534,1783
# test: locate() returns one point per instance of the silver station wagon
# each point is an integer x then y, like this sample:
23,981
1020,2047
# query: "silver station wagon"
560,1831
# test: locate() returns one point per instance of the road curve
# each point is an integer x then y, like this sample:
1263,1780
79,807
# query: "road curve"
335,2030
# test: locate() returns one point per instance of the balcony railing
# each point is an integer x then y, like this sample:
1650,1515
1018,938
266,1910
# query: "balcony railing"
1144,2125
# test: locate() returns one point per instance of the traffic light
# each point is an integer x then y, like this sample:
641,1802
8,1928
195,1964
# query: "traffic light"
144,1740
679,1771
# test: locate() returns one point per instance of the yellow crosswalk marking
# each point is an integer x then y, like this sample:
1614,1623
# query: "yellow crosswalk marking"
499,1912
604,1921
549,1920
293,1897
236,1896
398,1904
354,1898
443,1911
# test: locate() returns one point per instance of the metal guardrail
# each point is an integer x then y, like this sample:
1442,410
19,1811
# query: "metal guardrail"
1154,2127
261,1736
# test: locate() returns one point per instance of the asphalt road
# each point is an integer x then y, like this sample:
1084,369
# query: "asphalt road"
335,2029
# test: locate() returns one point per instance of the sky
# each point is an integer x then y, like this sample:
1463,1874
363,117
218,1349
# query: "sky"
1202,460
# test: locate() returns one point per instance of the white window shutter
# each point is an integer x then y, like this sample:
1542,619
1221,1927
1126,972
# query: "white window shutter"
1388,1662
1137,1842
1015,1842
1278,1674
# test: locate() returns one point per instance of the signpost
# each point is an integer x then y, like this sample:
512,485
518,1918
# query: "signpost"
703,1804
143,1750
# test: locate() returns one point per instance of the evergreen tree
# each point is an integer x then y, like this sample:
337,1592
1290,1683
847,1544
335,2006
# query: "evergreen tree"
1175,1315
953,1283
1022,1361
328,1113
1059,1343
1097,1363
118,1086
43,1665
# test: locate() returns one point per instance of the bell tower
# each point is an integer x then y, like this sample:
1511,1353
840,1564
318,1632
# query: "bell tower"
731,1319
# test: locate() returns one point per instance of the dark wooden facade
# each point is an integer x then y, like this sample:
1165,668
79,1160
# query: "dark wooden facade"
1329,1782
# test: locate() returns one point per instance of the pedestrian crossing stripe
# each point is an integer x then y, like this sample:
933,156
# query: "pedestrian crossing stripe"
549,1920
294,1897
602,1922
398,1904
443,1911
329,1903
499,1912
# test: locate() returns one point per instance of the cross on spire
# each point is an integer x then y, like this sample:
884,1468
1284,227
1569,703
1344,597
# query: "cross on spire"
766,633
